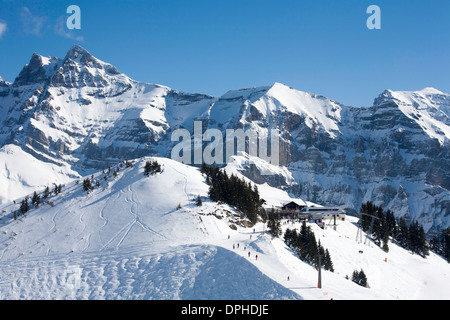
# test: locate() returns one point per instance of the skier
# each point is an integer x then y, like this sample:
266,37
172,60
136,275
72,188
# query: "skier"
249,254
256,257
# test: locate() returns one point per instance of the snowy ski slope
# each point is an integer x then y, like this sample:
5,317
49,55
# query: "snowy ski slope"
127,240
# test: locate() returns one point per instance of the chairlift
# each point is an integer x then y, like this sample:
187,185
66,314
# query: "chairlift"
359,231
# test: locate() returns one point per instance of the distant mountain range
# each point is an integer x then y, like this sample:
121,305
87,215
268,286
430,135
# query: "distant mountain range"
66,118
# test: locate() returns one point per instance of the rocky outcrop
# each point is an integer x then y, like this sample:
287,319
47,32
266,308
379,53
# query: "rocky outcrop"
82,112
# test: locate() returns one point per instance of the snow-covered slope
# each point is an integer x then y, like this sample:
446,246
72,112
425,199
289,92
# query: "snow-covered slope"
71,117
128,240
394,153
21,173
429,108
81,113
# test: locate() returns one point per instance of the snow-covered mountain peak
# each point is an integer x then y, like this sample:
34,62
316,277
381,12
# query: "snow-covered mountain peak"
38,70
3,83
317,111
252,94
78,114
431,90
77,51
83,58
407,96
266,103
429,108
81,69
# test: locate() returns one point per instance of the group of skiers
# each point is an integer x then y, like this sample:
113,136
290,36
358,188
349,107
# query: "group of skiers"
236,246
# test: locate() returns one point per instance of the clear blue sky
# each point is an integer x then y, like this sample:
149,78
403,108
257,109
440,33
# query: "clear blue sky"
213,46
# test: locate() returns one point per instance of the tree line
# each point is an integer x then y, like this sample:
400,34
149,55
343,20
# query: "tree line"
36,200
440,243
305,246
151,168
381,225
234,191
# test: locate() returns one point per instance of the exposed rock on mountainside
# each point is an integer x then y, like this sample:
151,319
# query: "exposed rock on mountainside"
79,114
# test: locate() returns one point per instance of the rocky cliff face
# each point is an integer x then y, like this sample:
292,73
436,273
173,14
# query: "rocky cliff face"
394,153
82,110
79,114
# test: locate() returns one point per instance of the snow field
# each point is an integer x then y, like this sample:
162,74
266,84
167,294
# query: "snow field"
128,240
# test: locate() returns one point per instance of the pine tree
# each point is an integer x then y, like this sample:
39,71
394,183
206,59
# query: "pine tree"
391,223
199,201
147,168
328,263
446,244
403,234
418,243
46,193
24,207
203,168
151,168
290,237
303,240
157,167
312,250
87,185
418,239
359,277
273,223
35,200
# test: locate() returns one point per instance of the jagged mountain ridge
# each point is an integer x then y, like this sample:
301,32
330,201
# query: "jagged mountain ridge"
77,114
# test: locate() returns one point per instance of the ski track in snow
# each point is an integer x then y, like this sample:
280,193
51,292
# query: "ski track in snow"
186,272
128,242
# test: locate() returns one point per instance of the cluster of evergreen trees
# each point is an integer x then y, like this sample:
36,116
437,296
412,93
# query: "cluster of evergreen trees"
381,225
377,223
359,277
151,168
440,244
87,185
304,244
233,191
24,206
36,200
